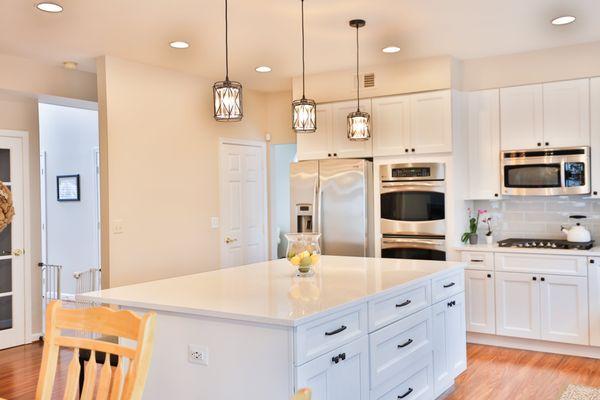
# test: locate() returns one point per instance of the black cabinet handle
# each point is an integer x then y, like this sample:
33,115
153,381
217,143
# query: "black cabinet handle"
534,278
539,144
335,359
338,330
489,275
476,261
413,150
595,193
409,341
592,261
449,285
547,144
451,303
407,302
343,356
328,154
406,150
495,194
335,154
542,279
409,391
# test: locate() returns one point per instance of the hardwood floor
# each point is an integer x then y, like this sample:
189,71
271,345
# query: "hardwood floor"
493,373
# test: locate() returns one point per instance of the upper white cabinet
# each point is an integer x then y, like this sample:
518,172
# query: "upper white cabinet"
391,116
431,122
521,117
317,145
567,113
595,134
418,123
547,115
342,146
484,144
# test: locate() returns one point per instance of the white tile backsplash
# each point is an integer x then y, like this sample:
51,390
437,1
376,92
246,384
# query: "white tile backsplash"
538,217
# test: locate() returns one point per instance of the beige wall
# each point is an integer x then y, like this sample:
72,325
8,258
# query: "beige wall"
279,117
548,65
160,162
404,77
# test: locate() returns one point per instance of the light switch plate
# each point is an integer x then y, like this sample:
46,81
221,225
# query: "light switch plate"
117,226
214,222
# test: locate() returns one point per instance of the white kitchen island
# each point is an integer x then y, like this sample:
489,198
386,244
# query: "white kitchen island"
360,328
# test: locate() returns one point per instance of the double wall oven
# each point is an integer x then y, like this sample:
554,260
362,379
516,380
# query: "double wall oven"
413,211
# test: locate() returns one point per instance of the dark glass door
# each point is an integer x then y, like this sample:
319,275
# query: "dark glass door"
413,206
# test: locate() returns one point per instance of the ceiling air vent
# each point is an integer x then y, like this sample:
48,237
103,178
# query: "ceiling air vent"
369,80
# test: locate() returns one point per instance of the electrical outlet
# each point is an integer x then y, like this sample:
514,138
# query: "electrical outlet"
198,354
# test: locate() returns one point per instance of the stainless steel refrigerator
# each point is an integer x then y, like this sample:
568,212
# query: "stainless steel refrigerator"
334,198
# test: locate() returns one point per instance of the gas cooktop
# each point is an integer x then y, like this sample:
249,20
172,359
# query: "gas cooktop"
546,244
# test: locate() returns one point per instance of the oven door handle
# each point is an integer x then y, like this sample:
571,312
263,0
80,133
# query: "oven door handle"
432,244
390,187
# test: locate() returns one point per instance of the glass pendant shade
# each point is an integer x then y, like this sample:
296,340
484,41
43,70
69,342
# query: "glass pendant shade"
359,126
304,115
227,97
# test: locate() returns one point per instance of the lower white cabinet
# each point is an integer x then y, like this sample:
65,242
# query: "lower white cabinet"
449,342
479,307
517,305
415,383
594,300
339,374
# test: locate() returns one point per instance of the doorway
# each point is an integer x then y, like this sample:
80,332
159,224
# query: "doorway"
243,202
281,155
69,141
14,268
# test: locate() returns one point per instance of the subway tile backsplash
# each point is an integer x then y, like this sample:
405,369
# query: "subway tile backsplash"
538,217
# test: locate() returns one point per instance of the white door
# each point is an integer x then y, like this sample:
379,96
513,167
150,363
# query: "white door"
484,144
565,309
594,300
518,305
595,135
243,204
521,117
431,122
479,289
317,145
12,265
567,113
391,125
346,379
342,146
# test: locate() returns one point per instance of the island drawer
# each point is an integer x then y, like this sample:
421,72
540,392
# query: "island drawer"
478,260
385,310
414,383
447,285
398,346
541,263
325,334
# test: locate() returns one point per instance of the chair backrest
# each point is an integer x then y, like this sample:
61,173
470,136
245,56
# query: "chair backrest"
302,394
116,383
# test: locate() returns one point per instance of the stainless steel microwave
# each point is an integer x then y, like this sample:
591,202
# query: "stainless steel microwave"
548,172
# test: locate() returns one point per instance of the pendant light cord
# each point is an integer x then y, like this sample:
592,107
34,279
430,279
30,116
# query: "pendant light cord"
303,64
357,76
226,46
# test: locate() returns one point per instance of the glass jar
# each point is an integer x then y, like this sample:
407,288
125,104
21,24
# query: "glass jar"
303,252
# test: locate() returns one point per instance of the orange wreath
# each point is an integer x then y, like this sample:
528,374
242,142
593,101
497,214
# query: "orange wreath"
7,211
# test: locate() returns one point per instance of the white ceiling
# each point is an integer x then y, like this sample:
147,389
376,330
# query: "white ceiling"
268,32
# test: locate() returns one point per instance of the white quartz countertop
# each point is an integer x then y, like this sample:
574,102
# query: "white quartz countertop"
269,292
593,252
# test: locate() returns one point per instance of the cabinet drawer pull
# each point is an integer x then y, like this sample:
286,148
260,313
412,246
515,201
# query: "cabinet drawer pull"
409,391
409,341
451,303
335,332
477,261
449,285
407,302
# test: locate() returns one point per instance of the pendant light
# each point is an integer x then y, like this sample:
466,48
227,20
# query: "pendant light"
227,95
304,111
358,121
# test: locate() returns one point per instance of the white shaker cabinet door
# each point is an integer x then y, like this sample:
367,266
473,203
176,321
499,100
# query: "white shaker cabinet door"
594,300
518,305
342,146
564,308
431,122
479,290
484,144
391,120
567,113
342,374
595,135
317,145
521,117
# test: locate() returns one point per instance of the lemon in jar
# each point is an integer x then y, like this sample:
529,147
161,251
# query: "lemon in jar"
295,260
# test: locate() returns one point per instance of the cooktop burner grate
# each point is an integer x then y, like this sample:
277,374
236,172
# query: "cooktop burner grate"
546,244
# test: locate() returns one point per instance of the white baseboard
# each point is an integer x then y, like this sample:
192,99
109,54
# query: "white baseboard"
534,345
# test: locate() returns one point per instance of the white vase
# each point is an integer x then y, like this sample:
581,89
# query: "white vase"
489,239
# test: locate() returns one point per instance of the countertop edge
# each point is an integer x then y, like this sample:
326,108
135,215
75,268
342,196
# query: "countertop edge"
494,248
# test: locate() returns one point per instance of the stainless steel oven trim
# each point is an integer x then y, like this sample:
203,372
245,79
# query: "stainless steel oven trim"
413,243
433,228
555,191
438,172
423,186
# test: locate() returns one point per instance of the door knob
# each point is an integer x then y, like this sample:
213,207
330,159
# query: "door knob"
18,252
230,240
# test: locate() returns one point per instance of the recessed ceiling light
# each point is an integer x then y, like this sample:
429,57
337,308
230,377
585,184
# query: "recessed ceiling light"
563,20
391,49
72,65
263,69
49,7
178,44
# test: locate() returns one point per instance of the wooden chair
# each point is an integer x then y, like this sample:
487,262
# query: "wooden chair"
112,384
302,394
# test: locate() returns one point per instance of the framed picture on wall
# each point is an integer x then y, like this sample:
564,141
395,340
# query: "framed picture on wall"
67,188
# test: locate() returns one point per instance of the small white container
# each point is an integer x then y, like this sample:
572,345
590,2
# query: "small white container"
489,239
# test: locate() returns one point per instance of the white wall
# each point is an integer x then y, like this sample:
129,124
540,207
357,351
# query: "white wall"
68,136
281,157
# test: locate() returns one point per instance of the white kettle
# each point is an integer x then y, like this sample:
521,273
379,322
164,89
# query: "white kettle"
577,233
